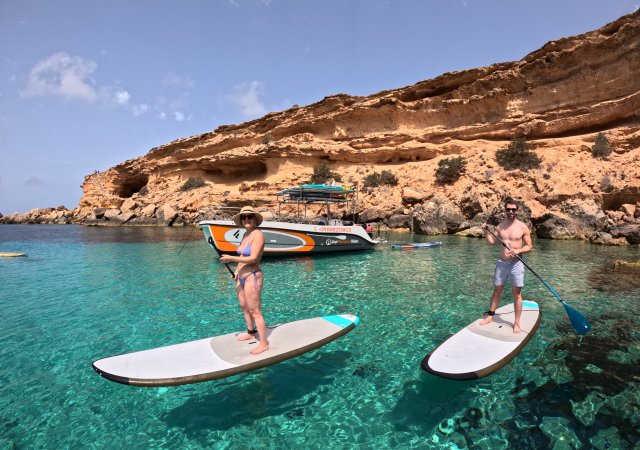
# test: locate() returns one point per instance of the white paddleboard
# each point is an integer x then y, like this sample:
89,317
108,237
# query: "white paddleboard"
222,356
11,255
479,350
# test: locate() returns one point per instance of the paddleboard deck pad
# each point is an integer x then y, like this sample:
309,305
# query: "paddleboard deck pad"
222,356
480,350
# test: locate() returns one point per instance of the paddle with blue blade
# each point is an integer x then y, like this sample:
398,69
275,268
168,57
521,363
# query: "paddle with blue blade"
579,322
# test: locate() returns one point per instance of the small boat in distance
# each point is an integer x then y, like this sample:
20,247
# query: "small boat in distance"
415,245
11,254
296,236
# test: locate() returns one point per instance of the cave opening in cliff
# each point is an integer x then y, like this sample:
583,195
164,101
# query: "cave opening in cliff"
130,185
249,171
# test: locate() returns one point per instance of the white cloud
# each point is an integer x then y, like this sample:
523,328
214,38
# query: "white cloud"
179,116
178,80
246,96
63,75
138,110
121,97
70,77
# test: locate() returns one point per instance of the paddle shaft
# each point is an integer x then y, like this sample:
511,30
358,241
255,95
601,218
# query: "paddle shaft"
233,275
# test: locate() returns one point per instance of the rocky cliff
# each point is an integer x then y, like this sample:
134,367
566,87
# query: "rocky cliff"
558,97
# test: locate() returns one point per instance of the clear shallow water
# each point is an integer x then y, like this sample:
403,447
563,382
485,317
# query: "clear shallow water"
85,293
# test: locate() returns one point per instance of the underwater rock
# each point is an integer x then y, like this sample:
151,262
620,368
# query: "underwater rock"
587,410
607,439
631,265
558,430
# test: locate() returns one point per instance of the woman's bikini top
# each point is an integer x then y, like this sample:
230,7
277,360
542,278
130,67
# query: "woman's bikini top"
246,251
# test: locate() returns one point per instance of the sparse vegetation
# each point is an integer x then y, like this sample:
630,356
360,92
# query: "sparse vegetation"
450,169
375,179
260,185
606,185
192,183
518,155
601,147
244,187
322,173
144,190
267,139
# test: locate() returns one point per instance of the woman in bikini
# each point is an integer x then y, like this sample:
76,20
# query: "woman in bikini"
249,276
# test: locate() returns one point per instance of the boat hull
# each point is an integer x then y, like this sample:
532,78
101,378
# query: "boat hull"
289,239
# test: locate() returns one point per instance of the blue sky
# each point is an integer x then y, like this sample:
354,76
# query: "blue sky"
87,84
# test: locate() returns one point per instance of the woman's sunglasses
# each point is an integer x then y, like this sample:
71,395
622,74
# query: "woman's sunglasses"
245,217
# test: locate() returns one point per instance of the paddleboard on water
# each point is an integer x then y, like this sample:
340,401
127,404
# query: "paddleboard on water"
221,356
415,245
11,255
479,350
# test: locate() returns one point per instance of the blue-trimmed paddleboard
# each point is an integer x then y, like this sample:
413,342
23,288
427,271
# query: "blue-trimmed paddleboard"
479,350
222,356
415,245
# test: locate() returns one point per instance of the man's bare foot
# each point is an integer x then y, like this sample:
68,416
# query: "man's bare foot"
486,320
245,337
259,349
516,328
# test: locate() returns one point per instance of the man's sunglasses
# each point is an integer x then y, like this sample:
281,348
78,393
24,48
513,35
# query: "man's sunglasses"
511,209
244,217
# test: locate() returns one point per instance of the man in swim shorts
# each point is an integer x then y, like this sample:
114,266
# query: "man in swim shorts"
516,235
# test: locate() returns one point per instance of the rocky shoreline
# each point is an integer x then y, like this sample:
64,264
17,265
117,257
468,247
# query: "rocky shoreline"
433,217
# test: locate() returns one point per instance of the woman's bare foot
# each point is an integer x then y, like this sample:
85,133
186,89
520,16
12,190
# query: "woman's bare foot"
245,337
516,328
486,320
259,349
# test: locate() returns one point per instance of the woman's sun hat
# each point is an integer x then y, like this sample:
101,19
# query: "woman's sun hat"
246,210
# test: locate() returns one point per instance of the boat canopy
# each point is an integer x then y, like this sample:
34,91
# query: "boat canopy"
316,193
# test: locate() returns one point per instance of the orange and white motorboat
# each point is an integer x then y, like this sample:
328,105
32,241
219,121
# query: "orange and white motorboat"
296,238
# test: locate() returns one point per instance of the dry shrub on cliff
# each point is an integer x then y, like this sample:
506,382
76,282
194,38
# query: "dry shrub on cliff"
192,183
450,169
518,155
322,173
378,179
601,147
606,185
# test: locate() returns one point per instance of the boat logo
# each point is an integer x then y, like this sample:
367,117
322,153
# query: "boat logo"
331,241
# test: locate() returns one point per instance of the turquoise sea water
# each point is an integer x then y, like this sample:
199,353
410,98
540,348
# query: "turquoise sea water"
85,293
